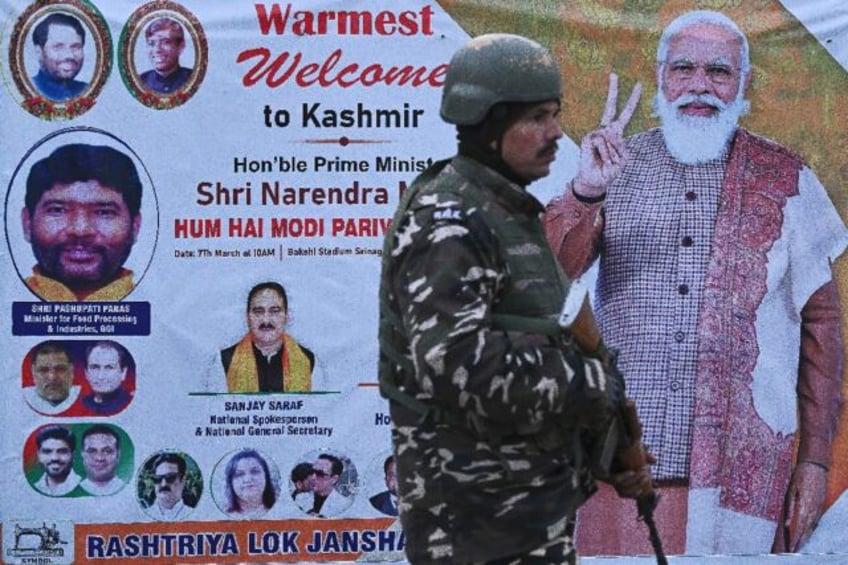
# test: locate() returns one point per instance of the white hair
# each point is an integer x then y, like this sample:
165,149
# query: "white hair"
696,17
698,139
712,133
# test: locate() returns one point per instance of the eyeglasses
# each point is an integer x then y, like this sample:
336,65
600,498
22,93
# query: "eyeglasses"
169,478
320,473
683,70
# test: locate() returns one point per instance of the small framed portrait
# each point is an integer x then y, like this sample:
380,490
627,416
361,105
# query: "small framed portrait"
246,484
81,218
60,55
324,483
110,371
51,377
381,479
163,54
169,486
289,366
78,460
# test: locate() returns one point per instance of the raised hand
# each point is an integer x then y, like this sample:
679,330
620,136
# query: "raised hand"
603,152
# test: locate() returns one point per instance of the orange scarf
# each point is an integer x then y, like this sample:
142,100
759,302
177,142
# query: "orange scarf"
243,375
54,291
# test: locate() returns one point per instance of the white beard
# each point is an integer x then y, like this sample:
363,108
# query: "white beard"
698,139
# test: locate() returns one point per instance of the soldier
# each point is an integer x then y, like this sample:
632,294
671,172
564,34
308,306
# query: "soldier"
494,410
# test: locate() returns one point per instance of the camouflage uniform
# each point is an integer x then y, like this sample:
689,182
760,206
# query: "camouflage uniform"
494,471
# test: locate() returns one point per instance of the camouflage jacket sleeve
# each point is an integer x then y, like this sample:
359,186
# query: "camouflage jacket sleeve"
448,271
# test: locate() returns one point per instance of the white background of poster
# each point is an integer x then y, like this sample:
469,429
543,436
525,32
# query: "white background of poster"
198,303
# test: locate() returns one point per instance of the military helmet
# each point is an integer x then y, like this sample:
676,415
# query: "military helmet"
495,68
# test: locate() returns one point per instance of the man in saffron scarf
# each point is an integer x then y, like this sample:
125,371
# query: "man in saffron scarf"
715,284
267,359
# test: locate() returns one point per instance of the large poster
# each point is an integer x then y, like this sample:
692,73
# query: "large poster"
188,184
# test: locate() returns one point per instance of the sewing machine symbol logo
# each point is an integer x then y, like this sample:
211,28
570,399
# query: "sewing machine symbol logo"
43,542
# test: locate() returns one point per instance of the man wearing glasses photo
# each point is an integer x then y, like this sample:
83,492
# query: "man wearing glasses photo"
169,481
715,285
326,500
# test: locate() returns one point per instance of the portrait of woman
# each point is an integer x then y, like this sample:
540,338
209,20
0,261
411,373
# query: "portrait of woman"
249,486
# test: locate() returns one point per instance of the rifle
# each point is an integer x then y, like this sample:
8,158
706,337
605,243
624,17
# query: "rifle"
622,448
634,457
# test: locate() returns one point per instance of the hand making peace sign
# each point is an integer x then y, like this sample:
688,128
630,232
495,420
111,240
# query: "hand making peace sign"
603,152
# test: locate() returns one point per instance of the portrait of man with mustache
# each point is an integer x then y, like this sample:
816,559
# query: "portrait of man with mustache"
53,390
168,473
165,42
59,40
715,284
487,393
82,216
268,359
